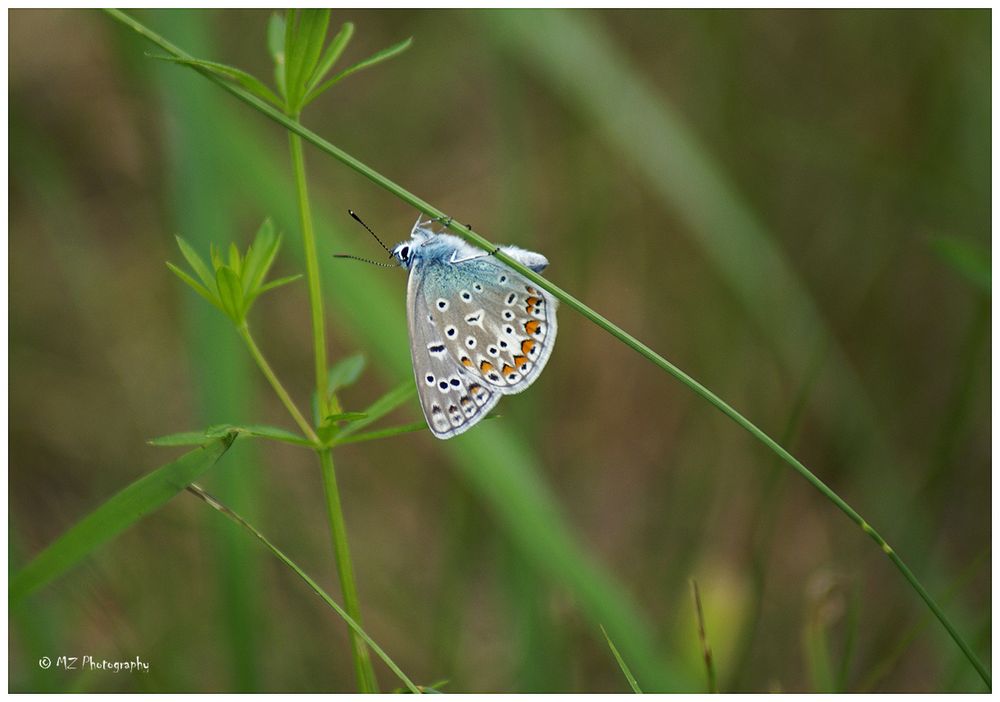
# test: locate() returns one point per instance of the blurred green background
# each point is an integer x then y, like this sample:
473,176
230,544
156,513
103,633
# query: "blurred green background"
792,206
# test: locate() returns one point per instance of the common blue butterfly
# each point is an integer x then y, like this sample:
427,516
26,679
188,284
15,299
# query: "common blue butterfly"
478,329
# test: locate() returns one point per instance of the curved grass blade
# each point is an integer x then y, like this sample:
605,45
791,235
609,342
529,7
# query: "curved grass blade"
632,682
211,501
115,515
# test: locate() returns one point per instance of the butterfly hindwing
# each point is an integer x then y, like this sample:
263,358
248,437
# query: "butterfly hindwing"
478,330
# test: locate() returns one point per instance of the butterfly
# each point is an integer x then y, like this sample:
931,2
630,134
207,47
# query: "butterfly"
478,328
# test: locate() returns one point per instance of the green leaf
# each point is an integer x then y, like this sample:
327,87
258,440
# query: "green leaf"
235,262
230,293
288,44
333,52
382,433
260,256
248,81
353,438
276,283
276,46
216,256
115,515
260,431
276,37
197,265
345,417
303,46
315,24
381,407
969,261
195,285
632,682
383,55
344,372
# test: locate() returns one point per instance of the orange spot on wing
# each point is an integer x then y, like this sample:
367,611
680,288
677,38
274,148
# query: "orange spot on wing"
519,361
507,370
532,301
466,361
532,327
526,346
485,366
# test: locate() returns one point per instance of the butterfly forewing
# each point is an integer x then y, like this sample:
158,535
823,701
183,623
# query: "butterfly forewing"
478,330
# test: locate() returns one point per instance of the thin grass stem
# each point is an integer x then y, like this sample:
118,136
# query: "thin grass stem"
279,389
196,490
312,273
345,571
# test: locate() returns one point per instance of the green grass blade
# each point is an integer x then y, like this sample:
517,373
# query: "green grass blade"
224,385
632,682
211,501
115,515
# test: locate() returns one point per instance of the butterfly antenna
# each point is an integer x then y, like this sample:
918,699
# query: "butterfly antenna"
358,220
366,260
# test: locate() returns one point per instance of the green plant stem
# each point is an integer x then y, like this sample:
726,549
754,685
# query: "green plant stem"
341,552
279,389
572,302
327,404
312,273
196,490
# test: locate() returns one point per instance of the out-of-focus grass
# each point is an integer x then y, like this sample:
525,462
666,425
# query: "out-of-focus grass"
224,379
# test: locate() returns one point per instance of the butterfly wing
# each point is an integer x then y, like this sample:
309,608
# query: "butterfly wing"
451,397
478,330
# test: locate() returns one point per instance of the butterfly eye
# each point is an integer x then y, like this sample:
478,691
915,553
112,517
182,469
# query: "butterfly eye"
404,253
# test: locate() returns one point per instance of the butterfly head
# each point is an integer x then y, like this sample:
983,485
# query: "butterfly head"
404,251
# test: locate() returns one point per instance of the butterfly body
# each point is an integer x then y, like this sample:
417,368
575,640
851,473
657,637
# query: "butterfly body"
478,329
